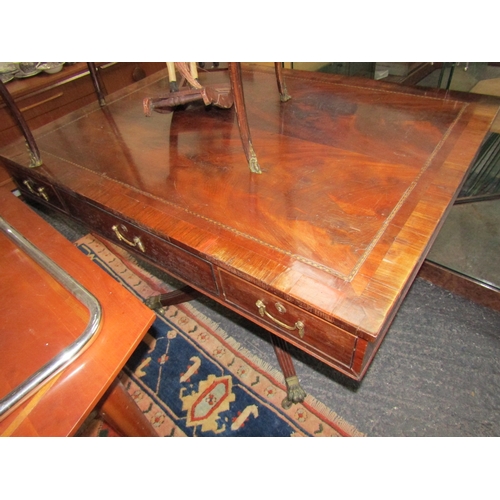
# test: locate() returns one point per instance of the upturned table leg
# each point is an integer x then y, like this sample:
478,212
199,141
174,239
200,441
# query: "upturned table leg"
97,82
295,393
280,80
34,152
241,116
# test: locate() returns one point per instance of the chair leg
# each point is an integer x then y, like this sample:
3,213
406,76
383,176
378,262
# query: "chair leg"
295,393
172,79
241,116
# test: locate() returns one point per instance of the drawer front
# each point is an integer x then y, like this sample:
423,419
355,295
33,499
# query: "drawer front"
36,189
179,263
314,335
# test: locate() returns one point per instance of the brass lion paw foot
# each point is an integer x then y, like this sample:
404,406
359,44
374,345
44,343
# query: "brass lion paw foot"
295,393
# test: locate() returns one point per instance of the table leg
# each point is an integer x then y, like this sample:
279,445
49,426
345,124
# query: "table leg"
119,410
295,393
185,294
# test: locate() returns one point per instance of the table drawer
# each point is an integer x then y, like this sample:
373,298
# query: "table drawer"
312,334
173,259
32,187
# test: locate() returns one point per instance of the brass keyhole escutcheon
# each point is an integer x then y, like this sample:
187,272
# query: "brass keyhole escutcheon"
280,307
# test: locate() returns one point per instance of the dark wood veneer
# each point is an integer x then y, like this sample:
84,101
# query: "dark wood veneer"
358,176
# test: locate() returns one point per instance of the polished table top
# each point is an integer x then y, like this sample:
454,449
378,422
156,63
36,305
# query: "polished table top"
358,176
40,318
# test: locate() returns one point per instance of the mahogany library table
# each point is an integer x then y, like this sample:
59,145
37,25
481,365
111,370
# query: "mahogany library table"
322,246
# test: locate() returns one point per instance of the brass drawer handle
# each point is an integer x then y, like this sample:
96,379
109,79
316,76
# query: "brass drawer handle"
40,192
298,324
135,243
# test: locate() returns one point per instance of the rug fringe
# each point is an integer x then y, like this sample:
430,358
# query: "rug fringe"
328,413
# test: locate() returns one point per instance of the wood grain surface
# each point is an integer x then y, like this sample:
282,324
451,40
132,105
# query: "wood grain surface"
358,176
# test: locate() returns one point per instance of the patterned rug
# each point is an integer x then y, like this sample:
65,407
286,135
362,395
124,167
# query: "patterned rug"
191,379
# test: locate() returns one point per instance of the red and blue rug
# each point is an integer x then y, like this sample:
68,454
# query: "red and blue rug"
191,379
